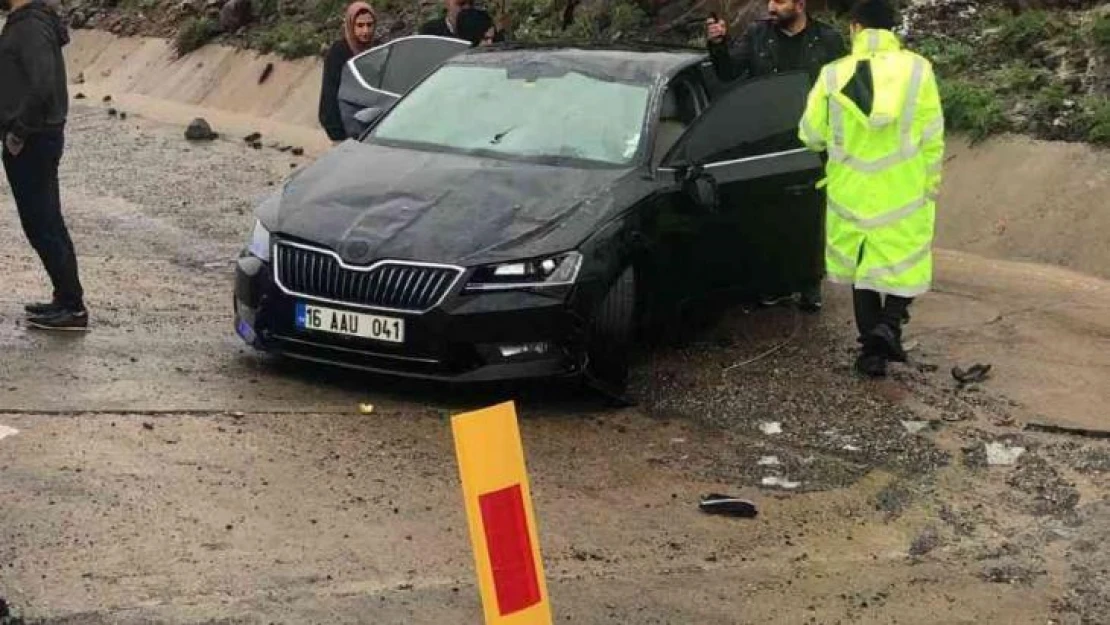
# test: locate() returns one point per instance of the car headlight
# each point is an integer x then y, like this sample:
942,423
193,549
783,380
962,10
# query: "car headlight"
260,242
559,270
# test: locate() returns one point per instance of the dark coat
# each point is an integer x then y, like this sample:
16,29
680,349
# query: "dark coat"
329,115
33,92
759,51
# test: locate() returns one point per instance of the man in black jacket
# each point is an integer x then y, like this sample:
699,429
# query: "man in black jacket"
788,40
446,26
34,103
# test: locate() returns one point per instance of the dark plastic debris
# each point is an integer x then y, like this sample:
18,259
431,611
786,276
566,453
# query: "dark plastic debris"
977,373
725,505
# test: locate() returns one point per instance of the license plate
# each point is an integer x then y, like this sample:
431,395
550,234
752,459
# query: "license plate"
346,323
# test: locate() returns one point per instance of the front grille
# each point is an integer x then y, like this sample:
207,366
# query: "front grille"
393,285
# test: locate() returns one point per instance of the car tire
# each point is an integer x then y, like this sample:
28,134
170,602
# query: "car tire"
610,339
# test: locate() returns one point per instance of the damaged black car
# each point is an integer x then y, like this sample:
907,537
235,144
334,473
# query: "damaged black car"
523,212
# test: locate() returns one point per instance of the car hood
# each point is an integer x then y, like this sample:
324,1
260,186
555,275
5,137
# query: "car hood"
369,202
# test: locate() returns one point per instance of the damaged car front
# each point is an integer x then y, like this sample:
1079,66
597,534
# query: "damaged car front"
476,233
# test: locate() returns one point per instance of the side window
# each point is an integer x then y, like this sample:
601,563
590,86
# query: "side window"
397,66
371,65
413,59
757,117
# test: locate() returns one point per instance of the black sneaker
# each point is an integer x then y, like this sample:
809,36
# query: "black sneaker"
64,320
887,340
871,365
43,309
770,301
811,300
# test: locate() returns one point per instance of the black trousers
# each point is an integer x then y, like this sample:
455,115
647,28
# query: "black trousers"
872,309
33,177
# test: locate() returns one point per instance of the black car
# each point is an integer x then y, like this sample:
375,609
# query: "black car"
522,211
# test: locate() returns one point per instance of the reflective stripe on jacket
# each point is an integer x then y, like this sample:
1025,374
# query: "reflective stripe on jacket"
884,167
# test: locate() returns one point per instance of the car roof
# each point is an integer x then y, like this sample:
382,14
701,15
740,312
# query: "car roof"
633,62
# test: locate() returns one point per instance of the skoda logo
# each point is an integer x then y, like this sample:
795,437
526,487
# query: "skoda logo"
358,250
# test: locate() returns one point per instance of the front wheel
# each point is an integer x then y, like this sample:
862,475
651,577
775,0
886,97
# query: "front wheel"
610,339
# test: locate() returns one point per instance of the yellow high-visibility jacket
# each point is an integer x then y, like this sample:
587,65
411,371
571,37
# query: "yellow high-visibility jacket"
884,167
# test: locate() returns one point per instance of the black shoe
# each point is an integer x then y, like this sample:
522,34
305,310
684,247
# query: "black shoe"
887,341
769,301
871,365
43,309
65,320
811,300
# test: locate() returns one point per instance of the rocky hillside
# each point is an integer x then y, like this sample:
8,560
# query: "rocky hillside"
1039,67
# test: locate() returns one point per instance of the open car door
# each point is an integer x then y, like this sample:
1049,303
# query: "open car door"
375,79
754,186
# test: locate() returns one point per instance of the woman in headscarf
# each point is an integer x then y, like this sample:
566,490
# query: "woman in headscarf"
358,37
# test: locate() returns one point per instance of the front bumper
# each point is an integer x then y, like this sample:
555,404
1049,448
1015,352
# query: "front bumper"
460,340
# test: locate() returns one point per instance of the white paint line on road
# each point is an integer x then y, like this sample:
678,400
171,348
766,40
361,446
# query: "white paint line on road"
6,431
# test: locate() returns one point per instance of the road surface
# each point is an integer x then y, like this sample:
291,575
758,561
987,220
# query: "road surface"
156,471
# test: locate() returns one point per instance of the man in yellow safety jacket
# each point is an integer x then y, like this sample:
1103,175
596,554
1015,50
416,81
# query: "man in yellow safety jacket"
878,114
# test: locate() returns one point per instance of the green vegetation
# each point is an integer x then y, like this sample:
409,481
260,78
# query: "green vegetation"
971,109
194,33
1017,34
1100,122
290,40
1100,33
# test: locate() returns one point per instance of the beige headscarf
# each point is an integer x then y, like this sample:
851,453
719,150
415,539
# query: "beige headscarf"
353,11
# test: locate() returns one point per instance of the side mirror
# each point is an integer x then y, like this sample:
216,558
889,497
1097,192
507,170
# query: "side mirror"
701,188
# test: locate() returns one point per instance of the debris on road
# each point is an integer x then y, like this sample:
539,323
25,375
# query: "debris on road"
974,375
770,428
928,540
1000,455
6,615
200,130
366,408
1010,574
266,72
1052,428
780,482
724,505
914,427
6,431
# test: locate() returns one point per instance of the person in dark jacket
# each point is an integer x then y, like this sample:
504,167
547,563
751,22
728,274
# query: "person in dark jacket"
446,26
477,27
787,40
34,104
359,23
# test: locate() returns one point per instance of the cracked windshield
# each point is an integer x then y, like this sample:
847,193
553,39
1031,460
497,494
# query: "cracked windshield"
569,115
